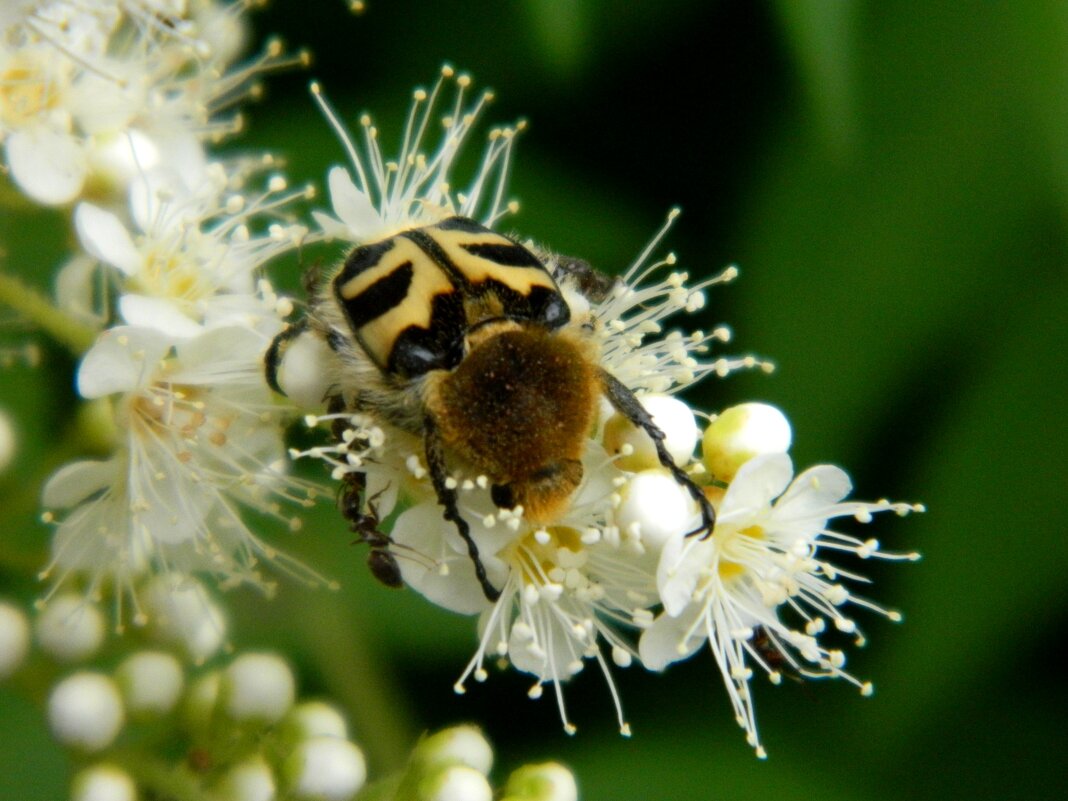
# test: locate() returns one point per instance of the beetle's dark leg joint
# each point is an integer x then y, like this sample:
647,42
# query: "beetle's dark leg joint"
272,359
630,407
435,459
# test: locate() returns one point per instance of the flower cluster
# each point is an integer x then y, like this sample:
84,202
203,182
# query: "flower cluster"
115,104
617,577
95,94
236,732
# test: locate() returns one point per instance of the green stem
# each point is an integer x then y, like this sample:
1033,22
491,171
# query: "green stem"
161,778
36,308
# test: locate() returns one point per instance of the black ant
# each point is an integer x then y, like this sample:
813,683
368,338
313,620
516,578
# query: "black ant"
381,561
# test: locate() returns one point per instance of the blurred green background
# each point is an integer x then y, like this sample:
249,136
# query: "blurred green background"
892,180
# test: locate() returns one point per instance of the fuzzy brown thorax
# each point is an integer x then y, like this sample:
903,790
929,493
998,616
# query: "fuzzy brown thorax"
519,408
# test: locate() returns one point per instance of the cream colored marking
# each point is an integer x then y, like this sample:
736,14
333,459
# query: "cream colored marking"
403,250
477,269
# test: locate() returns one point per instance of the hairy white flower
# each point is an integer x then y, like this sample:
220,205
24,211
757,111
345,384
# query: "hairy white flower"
199,440
325,769
95,94
760,590
85,711
14,638
70,628
379,195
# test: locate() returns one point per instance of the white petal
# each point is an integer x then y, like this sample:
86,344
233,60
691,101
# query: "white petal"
422,528
73,483
215,355
75,289
352,206
106,238
332,227
158,314
552,658
759,481
50,167
660,643
122,359
681,563
814,492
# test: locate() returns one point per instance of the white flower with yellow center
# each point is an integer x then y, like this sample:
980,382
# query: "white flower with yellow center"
761,589
199,439
94,94
194,262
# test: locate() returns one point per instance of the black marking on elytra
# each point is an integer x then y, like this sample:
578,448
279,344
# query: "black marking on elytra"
363,258
380,297
417,350
506,255
465,224
272,359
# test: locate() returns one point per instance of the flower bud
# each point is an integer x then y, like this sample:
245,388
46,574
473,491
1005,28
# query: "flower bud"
654,507
7,441
151,682
251,780
85,711
549,781
182,613
14,638
325,769
258,687
70,628
460,745
671,416
303,374
103,782
455,783
740,433
314,719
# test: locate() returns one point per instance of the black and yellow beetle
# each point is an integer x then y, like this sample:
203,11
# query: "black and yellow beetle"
460,335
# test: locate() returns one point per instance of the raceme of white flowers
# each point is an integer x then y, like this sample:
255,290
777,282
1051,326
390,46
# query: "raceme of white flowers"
108,109
615,579
237,731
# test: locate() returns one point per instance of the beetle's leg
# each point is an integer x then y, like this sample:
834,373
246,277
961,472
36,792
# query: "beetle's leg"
630,407
272,359
435,460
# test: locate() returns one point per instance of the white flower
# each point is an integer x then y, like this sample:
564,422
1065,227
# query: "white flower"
325,769
380,195
194,265
70,628
760,589
199,439
96,94
85,711
182,613
14,638
258,687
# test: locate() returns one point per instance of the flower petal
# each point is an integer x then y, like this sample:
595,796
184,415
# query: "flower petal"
758,482
352,206
106,238
50,167
122,359
666,640
158,314
74,482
